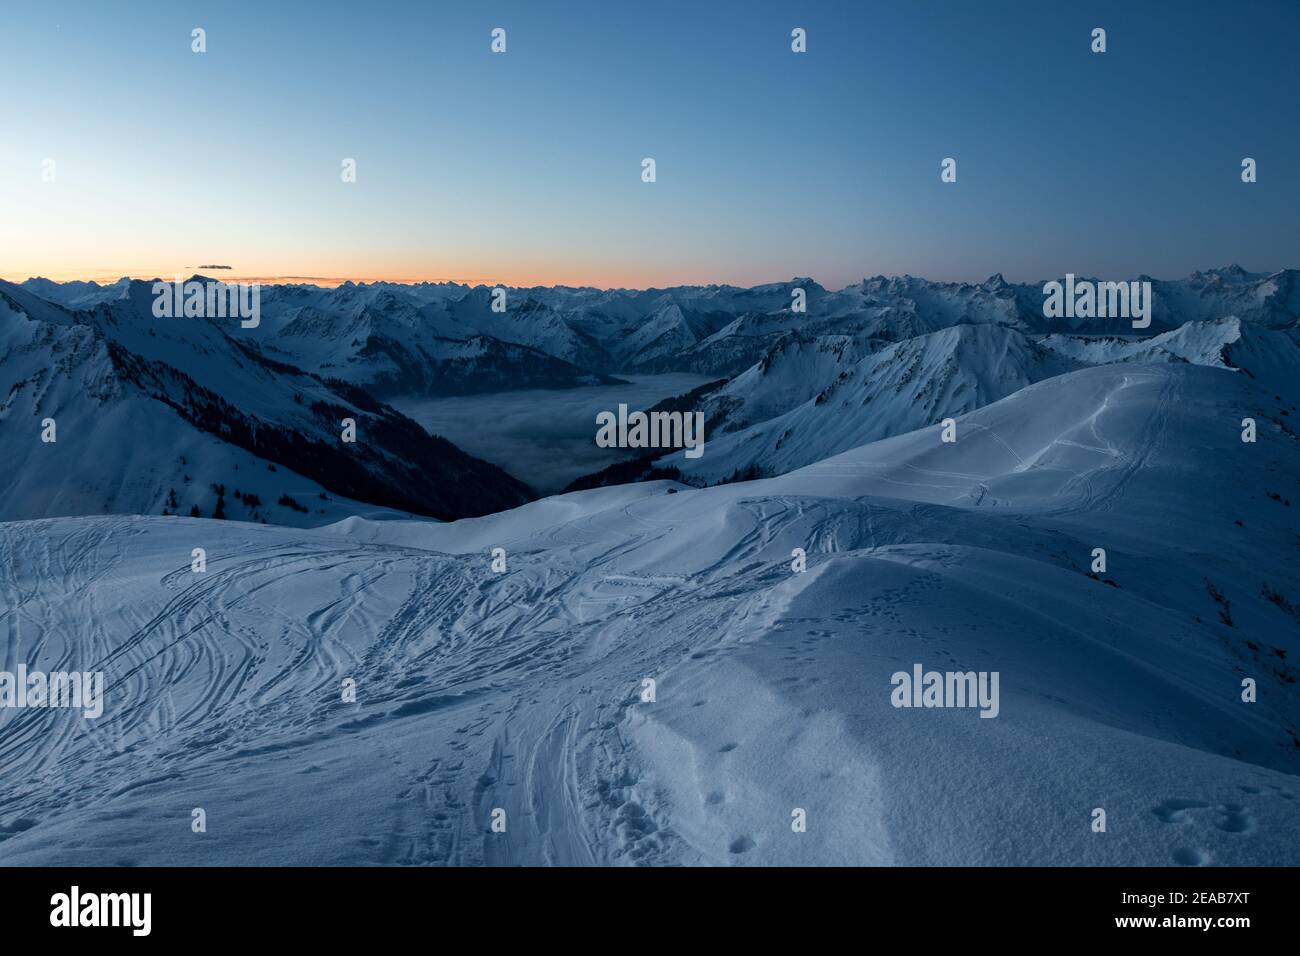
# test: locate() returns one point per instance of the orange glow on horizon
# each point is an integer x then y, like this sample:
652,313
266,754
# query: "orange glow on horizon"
633,276
597,279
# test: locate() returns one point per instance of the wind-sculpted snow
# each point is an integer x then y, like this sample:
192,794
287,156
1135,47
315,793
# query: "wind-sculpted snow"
810,399
802,404
522,690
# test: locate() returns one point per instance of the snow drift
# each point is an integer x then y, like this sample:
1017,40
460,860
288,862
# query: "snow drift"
524,691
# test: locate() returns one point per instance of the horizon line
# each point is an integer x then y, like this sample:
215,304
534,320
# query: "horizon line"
103,280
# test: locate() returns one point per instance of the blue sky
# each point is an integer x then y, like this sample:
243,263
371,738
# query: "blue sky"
525,167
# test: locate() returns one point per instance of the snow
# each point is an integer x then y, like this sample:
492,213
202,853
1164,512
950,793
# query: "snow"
901,387
159,414
808,400
522,690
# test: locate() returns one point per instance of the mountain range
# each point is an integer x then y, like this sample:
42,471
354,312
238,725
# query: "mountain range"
177,415
665,670
518,693
876,359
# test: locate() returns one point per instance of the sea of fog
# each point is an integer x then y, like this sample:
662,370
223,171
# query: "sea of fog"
543,436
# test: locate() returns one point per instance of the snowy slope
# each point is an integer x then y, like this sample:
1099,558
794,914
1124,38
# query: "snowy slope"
109,436
521,690
902,387
529,322
75,295
879,358
705,329
809,399
392,343
121,385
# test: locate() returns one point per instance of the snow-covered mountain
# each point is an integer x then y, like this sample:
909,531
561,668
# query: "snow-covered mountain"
381,333
806,401
876,359
835,403
522,695
152,415
390,343
76,295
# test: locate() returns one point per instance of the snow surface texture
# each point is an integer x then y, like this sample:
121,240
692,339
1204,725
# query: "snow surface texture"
521,691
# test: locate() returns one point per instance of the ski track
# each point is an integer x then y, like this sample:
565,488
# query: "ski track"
520,691
451,635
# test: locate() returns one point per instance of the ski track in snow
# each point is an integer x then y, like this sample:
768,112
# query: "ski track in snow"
521,691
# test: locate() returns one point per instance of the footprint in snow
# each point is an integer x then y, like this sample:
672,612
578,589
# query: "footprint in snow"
1228,817
1234,818
741,845
1175,811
